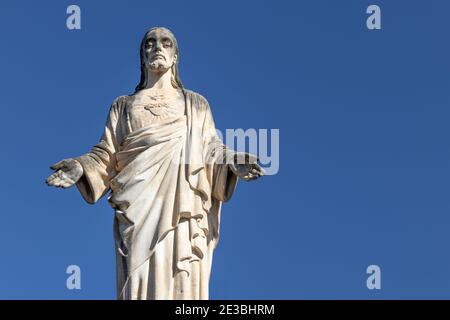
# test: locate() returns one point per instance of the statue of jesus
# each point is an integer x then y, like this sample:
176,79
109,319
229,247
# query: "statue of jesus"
167,173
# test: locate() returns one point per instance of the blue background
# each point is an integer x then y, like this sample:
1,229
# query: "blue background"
364,153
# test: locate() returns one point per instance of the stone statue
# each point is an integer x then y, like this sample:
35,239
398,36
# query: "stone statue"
168,172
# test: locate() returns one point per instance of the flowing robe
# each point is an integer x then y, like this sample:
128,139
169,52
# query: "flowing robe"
168,180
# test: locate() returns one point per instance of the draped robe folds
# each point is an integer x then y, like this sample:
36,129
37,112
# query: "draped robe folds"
168,180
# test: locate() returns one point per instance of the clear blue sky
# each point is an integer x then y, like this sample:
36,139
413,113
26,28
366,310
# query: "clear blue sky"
364,127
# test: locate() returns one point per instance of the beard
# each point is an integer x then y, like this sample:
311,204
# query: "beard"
158,65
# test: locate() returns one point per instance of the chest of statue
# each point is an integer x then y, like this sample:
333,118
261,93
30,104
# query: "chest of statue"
144,110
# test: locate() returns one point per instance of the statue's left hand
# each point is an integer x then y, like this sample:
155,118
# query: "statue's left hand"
246,166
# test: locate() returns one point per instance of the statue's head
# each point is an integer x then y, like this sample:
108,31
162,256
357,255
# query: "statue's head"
159,54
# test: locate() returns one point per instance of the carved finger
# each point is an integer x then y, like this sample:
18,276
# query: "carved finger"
68,180
66,184
259,170
51,177
58,165
57,182
52,181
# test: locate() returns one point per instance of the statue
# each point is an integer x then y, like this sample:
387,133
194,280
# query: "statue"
168,174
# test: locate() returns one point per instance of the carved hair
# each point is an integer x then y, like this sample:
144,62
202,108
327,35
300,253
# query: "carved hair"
176,82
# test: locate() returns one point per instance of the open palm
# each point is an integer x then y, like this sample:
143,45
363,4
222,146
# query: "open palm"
67,173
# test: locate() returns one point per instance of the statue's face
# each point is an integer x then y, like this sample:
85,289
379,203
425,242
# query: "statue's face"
160,51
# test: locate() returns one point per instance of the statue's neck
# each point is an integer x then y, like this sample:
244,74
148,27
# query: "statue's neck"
159,81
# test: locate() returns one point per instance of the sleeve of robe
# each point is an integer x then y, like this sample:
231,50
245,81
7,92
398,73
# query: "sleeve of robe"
223,180
99,164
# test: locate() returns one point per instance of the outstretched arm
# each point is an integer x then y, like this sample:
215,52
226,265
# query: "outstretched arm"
227,165
92,171
243,165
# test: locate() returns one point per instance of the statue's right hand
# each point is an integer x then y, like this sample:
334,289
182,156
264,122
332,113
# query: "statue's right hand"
67,173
